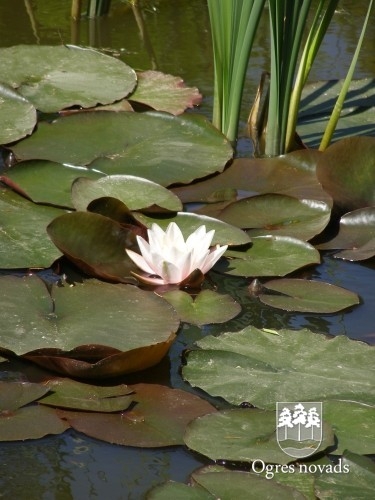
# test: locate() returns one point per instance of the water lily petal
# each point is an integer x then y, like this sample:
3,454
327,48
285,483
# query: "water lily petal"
148,280
139,261
213,257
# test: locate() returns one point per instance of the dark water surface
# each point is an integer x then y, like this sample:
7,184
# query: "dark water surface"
174,38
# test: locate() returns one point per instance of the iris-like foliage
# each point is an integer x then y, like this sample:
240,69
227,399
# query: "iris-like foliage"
168,259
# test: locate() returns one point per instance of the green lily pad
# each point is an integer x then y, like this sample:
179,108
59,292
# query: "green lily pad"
57,77
353,426
307,296
158,418
270,256
252,365
171,489
347,171
357,480
76,395
356,235
157,146
164,92
208,307
46,181
99,250
24,241
17,115
279,215
93,329
135,192
225,234
14,395
242,435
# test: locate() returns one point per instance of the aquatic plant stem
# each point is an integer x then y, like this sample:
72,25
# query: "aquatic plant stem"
334,118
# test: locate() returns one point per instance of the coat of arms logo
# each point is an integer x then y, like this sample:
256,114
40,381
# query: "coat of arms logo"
299,428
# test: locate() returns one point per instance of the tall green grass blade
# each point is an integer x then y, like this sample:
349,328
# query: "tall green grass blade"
332,123
322,19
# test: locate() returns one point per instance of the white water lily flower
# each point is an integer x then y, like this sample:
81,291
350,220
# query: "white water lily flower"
169,259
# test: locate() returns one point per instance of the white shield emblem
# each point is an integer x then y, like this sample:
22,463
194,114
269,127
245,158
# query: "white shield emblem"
299,428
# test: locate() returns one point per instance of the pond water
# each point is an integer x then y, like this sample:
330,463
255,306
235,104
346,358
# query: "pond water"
173,37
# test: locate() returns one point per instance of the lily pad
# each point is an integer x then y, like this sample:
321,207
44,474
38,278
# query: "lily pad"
135,192
158,418
292,174
99,250
17,115
307,296
24,241
242,435
207,308
76,395
225,234
270,256
93,329
164,92
45,181
353,426
31,422
279,215
157,146
57,77
347,171
356,235
357,481
14,395
252,365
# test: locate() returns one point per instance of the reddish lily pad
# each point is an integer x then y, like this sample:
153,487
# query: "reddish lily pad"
307,296
158,419
164,92
347,171
99,250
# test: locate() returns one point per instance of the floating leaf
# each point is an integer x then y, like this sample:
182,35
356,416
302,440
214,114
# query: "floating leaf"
347,171
208,307
46,181
164,92
292,174
353,426
279,215
17,115
135,192
270,256
158,419
31,422
242,435
171,489
157,146
76,395
254,366
72,335
356,481
307,296
225,234
99,250
356,235
57,77
14,395
23,239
